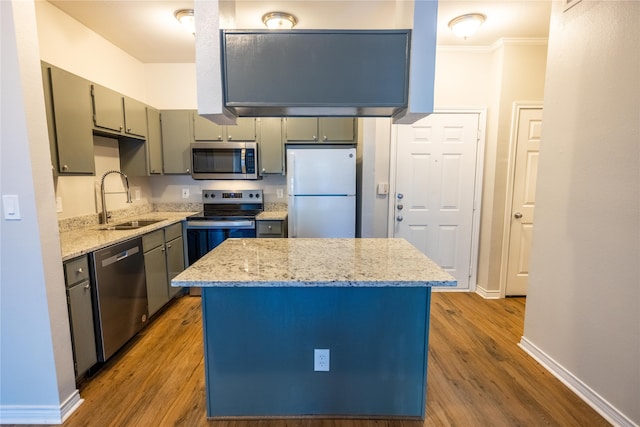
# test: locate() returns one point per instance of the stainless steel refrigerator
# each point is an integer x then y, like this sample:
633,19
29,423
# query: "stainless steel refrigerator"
321,185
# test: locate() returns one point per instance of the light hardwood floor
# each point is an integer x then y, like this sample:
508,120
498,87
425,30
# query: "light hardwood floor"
477,375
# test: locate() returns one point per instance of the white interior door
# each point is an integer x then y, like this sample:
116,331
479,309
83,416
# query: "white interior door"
524,199
435,187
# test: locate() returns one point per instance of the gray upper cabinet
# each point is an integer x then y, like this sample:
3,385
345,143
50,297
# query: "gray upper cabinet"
154,141
271,145
68,101
206,130
177,135
323,130
115,113
135,117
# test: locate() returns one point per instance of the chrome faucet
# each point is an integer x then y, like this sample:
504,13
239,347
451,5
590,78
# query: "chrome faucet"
105,217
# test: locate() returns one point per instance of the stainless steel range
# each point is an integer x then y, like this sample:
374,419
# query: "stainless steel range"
226,213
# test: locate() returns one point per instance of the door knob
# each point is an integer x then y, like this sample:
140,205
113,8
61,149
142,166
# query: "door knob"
517,215
399,218
400,196
400,207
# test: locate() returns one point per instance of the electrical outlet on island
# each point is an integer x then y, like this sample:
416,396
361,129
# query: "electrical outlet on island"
185,193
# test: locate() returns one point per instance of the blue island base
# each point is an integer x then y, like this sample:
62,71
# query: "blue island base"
260,341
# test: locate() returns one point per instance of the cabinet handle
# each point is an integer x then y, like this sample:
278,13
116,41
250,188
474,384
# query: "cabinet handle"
315,138
269,227
164,249
87,286
79,270
324,138
121,128
65,167
168,246
188,170
128,129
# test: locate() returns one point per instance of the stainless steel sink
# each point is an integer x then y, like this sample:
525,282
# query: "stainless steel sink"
132,225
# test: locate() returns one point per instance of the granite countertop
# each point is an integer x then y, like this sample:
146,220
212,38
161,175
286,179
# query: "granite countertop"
84,240
272,216
314,262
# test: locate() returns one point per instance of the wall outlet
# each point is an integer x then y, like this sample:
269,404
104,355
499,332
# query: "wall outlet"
137,194
279,193
58,204
185,193
321,360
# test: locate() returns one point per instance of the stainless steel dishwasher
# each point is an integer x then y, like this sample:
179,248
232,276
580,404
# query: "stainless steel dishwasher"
120,295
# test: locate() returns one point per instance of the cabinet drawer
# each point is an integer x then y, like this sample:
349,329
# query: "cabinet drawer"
173,231
76,270
152,240
270,227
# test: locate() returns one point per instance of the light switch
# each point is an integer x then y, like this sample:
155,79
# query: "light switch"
383,188
11,206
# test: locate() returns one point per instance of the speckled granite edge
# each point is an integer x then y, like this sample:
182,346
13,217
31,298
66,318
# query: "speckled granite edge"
272,216
306,262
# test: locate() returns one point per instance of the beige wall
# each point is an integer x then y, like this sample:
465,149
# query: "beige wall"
491,78
583,307
519,70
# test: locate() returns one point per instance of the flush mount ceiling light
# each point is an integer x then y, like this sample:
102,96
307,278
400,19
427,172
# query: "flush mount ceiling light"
185,17
466,25
279,20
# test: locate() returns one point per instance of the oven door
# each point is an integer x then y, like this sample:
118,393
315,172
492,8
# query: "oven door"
205,235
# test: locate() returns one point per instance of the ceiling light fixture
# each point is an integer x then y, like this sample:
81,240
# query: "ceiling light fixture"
466,25
279,20
185,17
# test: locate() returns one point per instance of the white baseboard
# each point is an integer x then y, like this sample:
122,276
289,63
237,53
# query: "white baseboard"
40,414
593,399
486,294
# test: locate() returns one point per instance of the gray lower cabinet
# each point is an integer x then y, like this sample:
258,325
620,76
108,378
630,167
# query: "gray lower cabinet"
80,308
68,105
163,260
271,228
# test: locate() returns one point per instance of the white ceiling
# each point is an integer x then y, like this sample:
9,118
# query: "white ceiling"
147,29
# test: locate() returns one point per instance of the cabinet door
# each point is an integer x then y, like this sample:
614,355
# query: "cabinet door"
301,129
243,130
155,267
205,129
82,332
271,145
175,263
71,105
107,108
135,117
154,141
337,129
177,136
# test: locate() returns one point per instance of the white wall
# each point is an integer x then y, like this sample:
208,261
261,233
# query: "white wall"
583,307
37,383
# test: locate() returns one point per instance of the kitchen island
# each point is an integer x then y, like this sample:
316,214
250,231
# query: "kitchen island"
269,304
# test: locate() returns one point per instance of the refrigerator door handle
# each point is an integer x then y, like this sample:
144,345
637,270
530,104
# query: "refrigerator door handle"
292,219
292,167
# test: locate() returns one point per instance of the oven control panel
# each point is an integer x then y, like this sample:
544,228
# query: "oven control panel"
231,196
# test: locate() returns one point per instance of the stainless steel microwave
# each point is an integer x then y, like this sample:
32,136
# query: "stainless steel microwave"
224,160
